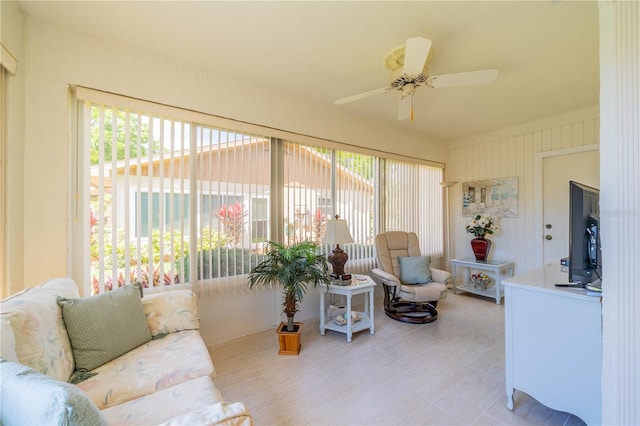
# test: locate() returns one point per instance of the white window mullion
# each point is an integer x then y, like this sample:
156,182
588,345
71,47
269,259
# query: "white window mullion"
138,195
171,192
126,199
161,206
207,193
101,216
150,197
114,199
193,202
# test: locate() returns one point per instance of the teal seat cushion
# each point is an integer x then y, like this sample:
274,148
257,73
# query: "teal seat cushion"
32,398
415,269
105,326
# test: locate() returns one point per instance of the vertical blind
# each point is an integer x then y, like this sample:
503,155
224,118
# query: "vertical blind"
171,202
320,184
166,197
413,201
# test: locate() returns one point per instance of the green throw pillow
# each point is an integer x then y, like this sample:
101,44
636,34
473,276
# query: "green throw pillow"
415,269
32,398
105,326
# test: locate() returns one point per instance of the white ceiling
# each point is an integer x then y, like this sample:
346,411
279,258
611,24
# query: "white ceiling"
546,52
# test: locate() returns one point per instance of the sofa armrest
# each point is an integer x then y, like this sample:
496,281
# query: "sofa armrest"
441,276
221,413
385,277
171,311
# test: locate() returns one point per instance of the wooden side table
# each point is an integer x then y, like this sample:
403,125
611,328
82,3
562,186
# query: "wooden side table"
461,269
360,284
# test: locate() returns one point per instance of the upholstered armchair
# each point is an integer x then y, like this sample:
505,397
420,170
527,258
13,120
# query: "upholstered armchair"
412,287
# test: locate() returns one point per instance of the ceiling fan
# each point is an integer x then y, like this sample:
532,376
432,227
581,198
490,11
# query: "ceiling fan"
408,66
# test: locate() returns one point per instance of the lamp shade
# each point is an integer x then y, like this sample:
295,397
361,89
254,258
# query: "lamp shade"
337,232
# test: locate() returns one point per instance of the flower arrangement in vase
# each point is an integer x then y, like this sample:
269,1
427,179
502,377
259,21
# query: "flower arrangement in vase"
481,226
481,280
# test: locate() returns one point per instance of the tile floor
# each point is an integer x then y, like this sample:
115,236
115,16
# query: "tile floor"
450,372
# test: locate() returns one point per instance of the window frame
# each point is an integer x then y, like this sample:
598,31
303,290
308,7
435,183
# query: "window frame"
275,212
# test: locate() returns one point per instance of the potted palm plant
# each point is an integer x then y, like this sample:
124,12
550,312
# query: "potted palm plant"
293,267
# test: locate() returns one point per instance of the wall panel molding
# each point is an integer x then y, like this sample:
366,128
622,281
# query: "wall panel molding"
512,152
620,209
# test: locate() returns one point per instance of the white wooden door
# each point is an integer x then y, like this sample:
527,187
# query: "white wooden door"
583,167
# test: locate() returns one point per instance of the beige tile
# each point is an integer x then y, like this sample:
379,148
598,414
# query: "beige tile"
450,372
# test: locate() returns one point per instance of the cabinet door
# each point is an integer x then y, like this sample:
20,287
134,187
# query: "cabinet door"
555,347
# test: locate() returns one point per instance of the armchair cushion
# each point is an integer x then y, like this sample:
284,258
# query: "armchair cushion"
441,276
385,277
105,326
415,269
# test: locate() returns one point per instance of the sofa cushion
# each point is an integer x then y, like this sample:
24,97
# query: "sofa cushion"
155,365
31,398
171,311
222,413
415,269
159,406
41,340
105,326
8,342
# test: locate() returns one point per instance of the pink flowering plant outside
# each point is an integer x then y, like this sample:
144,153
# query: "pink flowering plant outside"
482,225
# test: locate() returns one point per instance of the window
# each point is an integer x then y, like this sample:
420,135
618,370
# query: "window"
320,184
172,197
167,199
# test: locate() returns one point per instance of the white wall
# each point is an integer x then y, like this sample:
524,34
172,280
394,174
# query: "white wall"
12,38
57,58
507,153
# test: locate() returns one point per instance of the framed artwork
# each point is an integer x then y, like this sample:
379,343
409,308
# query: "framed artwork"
495,197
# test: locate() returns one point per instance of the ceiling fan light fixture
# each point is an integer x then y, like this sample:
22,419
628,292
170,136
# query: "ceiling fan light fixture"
399,79
408,89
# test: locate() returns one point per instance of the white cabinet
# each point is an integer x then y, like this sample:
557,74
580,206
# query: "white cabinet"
553,342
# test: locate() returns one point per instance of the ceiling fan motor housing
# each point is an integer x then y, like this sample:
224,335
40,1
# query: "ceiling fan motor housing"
399,80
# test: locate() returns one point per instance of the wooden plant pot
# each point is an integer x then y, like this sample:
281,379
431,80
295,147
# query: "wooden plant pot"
289,340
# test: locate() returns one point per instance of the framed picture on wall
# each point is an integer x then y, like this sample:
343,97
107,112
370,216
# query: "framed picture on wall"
496,197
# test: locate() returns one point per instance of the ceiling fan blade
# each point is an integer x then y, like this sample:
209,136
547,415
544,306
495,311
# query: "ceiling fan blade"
463,78
415,55
363,95
404,107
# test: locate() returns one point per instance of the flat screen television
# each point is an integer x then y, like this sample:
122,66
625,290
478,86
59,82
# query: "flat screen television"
585,257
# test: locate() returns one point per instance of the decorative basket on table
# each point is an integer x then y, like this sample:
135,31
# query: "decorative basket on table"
481,281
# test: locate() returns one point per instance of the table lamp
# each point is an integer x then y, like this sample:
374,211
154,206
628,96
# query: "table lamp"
337,232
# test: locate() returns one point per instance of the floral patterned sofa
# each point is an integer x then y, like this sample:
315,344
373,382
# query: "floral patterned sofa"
166,380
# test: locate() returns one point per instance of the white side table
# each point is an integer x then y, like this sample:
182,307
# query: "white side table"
360,284
461,269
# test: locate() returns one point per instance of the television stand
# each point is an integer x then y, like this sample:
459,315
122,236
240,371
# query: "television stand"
555,357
